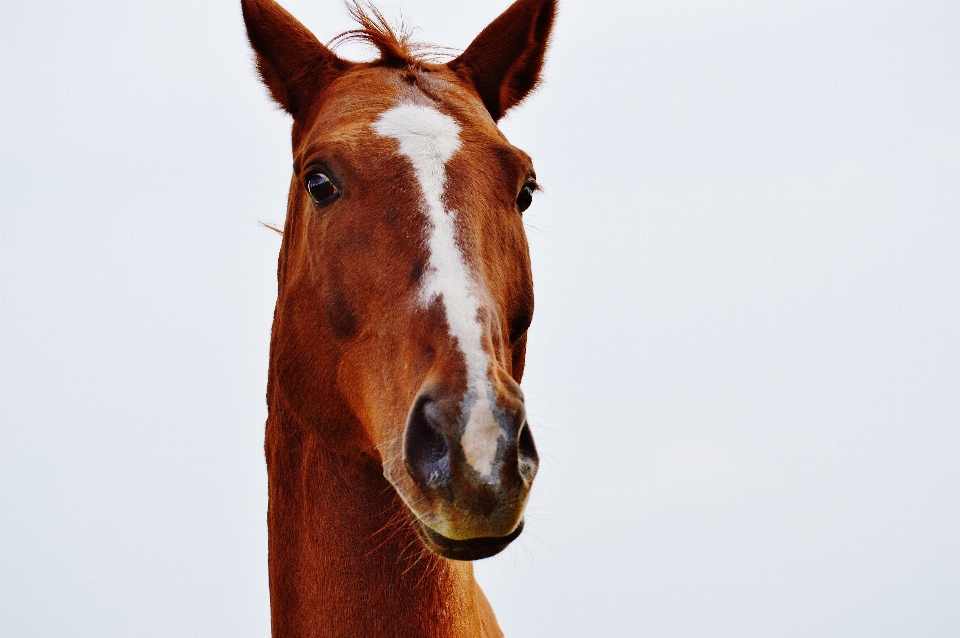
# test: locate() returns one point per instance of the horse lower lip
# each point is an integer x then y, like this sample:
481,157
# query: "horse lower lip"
471,549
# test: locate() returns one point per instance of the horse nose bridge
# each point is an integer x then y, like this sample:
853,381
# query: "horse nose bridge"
469,350
496,340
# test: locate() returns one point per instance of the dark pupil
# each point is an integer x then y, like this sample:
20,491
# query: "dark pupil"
320,187
524,198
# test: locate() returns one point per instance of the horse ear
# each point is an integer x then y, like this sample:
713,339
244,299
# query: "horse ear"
503,63
293,64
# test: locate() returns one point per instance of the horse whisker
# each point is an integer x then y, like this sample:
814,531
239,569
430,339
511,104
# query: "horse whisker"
272,227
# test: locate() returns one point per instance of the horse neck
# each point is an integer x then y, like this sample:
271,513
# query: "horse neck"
342,545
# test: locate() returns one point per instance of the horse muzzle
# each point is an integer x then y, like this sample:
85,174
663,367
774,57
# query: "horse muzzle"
472,462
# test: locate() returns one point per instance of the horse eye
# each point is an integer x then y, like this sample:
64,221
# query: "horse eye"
321,188
525,198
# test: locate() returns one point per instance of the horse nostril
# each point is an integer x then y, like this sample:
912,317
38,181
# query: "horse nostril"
425,450
527,453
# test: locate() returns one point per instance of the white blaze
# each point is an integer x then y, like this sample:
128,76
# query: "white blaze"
429,138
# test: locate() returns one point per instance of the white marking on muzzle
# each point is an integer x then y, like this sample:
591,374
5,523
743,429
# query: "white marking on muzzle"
429,138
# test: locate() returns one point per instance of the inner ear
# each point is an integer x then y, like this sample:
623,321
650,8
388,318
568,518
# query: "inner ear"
503,63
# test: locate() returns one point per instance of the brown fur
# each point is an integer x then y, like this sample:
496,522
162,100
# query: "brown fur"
352,347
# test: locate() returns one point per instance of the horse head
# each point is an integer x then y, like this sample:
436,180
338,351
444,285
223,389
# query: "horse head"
405,288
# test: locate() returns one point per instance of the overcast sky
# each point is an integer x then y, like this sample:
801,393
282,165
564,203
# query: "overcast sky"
743,372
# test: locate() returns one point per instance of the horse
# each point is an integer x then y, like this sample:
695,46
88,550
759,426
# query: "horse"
397,444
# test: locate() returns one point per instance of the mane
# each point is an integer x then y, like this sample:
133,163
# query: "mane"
395,43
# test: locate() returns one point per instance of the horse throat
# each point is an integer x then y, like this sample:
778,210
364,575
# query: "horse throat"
344,558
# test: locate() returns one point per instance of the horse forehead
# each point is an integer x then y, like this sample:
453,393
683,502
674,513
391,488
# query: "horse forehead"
426,136
358,100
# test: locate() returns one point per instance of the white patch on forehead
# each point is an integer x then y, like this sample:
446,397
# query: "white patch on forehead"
429,138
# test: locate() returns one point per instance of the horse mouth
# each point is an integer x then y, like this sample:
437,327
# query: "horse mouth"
470,549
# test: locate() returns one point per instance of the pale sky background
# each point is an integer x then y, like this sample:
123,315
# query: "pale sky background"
743,373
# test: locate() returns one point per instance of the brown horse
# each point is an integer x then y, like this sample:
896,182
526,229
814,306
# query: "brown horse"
397,444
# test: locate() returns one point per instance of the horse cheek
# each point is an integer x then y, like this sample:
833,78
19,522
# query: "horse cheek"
519,357
340,313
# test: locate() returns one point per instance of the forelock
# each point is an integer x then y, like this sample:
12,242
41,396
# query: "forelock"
394,42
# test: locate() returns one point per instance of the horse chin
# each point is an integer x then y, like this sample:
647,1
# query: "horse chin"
465,549
469,549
